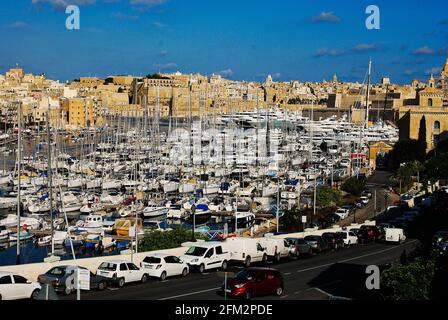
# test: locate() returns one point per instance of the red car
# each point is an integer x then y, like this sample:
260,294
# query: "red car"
368,234
254,282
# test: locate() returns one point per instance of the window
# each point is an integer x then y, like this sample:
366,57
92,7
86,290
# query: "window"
57,271
219,250
19,279
209,253
123,267
5,280
437,125
132,266
430,102
171,259
151,260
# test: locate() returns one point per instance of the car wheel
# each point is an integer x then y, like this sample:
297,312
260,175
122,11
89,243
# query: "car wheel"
145,278
184,272
247,262
277,257
34,294
201,268
224,265
248,294
163,276
67,291
279,291
121,282
265,258
101,285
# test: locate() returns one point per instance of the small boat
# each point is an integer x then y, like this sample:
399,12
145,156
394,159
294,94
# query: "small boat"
91,241
23,236
153,211
76,240
122,226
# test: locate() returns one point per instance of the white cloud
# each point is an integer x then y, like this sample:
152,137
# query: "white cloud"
18,25
424,51
62,4
225,73
326,17
325,52
165,66
362,47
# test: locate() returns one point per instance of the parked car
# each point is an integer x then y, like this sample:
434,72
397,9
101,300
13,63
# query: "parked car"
366,193
317,243
14,287
276,248
439,236
254,282
245,250
121,272
394,235
332,218
368,233
160,265
365,200
333,240
343,213
298,247
58,277
206,255
350,207
348,237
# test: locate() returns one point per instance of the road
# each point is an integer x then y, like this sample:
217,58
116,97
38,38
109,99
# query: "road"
340,274
375,182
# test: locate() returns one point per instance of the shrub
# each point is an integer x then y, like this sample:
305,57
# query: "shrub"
353,186
158,240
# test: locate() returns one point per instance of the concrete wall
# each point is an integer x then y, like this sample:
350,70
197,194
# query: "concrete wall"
32,271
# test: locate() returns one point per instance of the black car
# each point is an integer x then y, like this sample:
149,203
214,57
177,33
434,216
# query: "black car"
317,243
298,247
335,242
332,218
58,277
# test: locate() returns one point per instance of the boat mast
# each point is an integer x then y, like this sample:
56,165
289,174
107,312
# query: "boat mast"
50,180
19,157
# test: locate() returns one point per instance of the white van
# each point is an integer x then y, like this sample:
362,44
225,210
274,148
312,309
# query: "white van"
276,248
206,255
245,250
395,235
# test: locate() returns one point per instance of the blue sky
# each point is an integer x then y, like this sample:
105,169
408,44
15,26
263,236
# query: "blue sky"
308,40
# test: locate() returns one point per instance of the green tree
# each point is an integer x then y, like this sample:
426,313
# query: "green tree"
422,140
411,281
327,197
353,186
158,240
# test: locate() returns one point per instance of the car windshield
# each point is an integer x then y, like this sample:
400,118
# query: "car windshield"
244,275
196,251
108,266
151,260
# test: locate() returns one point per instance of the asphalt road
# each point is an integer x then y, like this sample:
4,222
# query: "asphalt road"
340,274
375,182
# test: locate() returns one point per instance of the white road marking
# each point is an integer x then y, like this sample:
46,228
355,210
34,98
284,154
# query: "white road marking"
287,273
189,294
356,258
302,270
